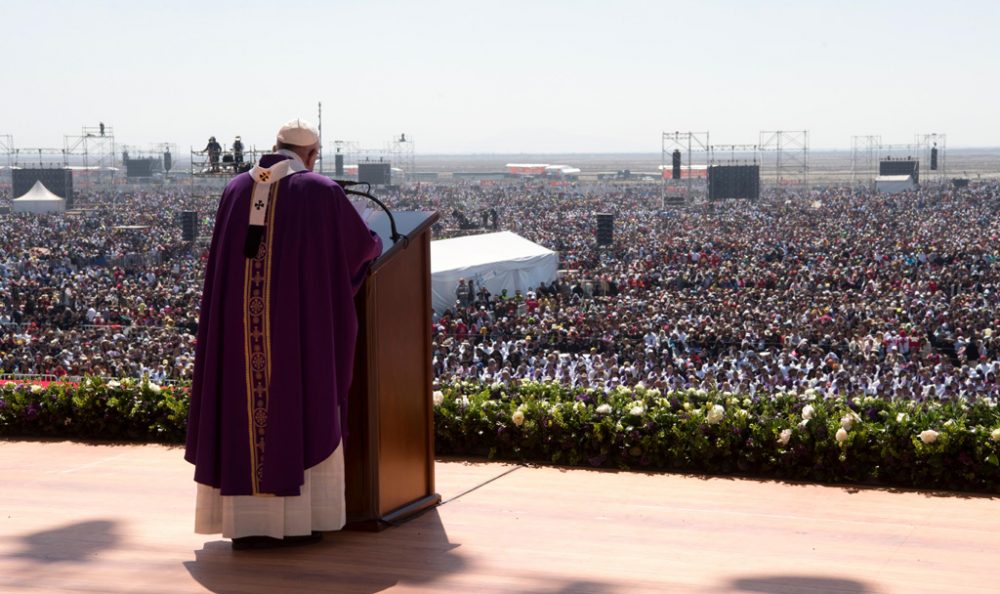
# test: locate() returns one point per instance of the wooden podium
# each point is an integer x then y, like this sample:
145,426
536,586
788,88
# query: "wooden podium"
389,450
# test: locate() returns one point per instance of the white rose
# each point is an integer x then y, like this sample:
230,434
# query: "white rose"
928,436
517,418
35,388
901,417
803,423
995,435
715,414
810,394
604,409
807,412
154,388
438,397
949,422
636,411
701,392
848,420
114,384
784,437
841,435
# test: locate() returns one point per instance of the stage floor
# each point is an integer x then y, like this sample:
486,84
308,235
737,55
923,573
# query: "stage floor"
117,518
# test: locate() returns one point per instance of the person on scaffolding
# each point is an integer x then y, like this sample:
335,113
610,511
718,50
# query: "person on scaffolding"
214,150
237,155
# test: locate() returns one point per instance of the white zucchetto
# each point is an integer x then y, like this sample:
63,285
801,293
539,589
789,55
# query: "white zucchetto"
298,132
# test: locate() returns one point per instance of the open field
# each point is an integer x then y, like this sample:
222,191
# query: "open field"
824,165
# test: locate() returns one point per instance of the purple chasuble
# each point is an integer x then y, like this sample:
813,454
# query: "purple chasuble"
276,335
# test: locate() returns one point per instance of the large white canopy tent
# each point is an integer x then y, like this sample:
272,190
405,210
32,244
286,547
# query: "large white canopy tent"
495,260
38,200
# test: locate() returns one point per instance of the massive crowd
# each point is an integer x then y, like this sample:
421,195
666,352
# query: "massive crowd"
834,290
110,289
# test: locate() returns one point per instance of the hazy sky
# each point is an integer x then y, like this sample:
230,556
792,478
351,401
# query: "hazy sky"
484,77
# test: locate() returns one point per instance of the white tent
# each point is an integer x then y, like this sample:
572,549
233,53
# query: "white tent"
893,184
495,260
38,200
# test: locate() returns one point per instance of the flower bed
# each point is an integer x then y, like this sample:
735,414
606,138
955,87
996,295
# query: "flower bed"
128,410
946,445
942,445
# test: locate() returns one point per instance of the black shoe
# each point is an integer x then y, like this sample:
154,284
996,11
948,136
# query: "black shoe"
266,542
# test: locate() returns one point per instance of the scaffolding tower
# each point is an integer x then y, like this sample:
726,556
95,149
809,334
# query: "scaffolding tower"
864,158
165,148
745,154
94,150
925,144
791,156
694,148
351,152
93,147
7,156
401,152
47,157
7,149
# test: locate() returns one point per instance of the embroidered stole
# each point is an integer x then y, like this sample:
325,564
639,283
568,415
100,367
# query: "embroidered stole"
256,304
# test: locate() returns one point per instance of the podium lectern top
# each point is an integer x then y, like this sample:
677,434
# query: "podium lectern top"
409,224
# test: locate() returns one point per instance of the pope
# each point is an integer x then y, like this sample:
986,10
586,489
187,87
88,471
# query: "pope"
275,350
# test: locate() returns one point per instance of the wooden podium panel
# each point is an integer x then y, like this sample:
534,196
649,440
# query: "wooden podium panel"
389,451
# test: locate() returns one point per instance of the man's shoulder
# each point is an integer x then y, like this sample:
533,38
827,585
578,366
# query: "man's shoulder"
309,181
238,183
313,178
305,182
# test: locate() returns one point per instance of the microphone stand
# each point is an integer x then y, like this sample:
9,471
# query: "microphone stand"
394,234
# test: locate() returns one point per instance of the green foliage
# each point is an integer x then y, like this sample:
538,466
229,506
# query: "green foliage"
126,410
941,445
787,436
